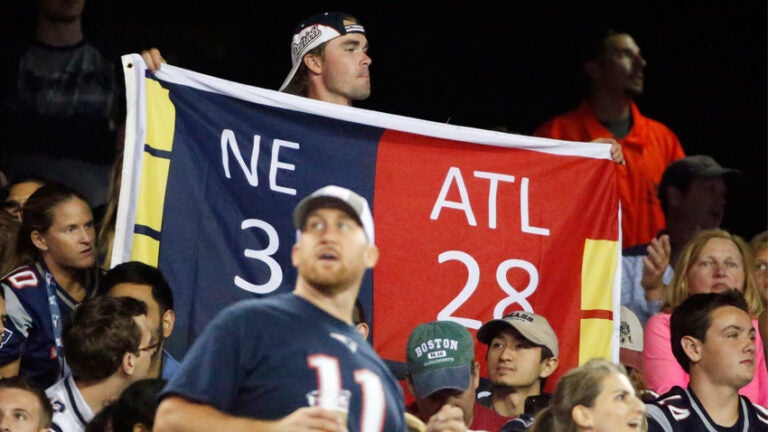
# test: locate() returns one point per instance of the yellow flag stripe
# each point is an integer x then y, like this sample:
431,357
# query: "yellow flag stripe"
598,270
160,128
595,339
145,249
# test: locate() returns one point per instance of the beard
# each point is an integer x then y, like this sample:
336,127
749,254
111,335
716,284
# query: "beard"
329,281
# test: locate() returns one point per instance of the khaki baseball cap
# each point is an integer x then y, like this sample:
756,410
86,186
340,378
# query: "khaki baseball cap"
532,326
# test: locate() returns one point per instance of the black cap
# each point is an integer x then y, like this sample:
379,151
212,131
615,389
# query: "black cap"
681,172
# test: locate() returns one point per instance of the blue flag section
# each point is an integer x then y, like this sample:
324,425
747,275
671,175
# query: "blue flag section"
249,191
213,169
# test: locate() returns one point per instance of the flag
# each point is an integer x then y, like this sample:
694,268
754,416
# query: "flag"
471,224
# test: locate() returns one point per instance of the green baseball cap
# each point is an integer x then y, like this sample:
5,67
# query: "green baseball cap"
440,355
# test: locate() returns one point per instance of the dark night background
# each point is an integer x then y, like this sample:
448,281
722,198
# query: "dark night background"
490,64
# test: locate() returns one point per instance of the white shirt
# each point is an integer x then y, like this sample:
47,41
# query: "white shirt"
70,412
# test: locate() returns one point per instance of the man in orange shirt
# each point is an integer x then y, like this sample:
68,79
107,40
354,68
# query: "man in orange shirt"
615,73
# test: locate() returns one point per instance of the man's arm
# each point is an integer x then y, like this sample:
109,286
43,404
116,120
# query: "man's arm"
179,414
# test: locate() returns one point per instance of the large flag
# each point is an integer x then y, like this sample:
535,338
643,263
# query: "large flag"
472,224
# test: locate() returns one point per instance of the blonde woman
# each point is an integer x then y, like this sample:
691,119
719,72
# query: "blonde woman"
711,262
595,397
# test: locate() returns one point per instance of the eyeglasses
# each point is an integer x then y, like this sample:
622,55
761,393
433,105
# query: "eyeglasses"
151,347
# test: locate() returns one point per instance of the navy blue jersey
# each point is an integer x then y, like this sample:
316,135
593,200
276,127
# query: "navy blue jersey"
259,358
679,410
29,333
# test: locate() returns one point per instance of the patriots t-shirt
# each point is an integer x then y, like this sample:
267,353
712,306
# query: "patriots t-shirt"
259,358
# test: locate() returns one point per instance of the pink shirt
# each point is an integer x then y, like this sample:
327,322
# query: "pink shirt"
662,371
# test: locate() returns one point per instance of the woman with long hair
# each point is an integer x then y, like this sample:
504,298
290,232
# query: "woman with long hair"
55,270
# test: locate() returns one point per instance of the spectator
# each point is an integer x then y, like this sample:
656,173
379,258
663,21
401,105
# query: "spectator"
55,271
692,193
146,283
19,191
759,245
522,353
596,397
329,53
713,261
254,363
64,99
615,70
23,407
713,341
443,373
320,45
108,344
135,409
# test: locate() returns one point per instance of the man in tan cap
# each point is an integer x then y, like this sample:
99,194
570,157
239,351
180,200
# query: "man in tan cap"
522,353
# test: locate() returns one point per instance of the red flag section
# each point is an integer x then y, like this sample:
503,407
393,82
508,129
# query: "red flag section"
470,232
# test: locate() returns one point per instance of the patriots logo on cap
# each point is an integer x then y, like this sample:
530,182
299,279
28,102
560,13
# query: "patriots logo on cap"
308,35
625,333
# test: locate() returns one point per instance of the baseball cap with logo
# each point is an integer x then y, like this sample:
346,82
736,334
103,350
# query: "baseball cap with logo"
332,196
315,31
631,338
440,355
532,326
